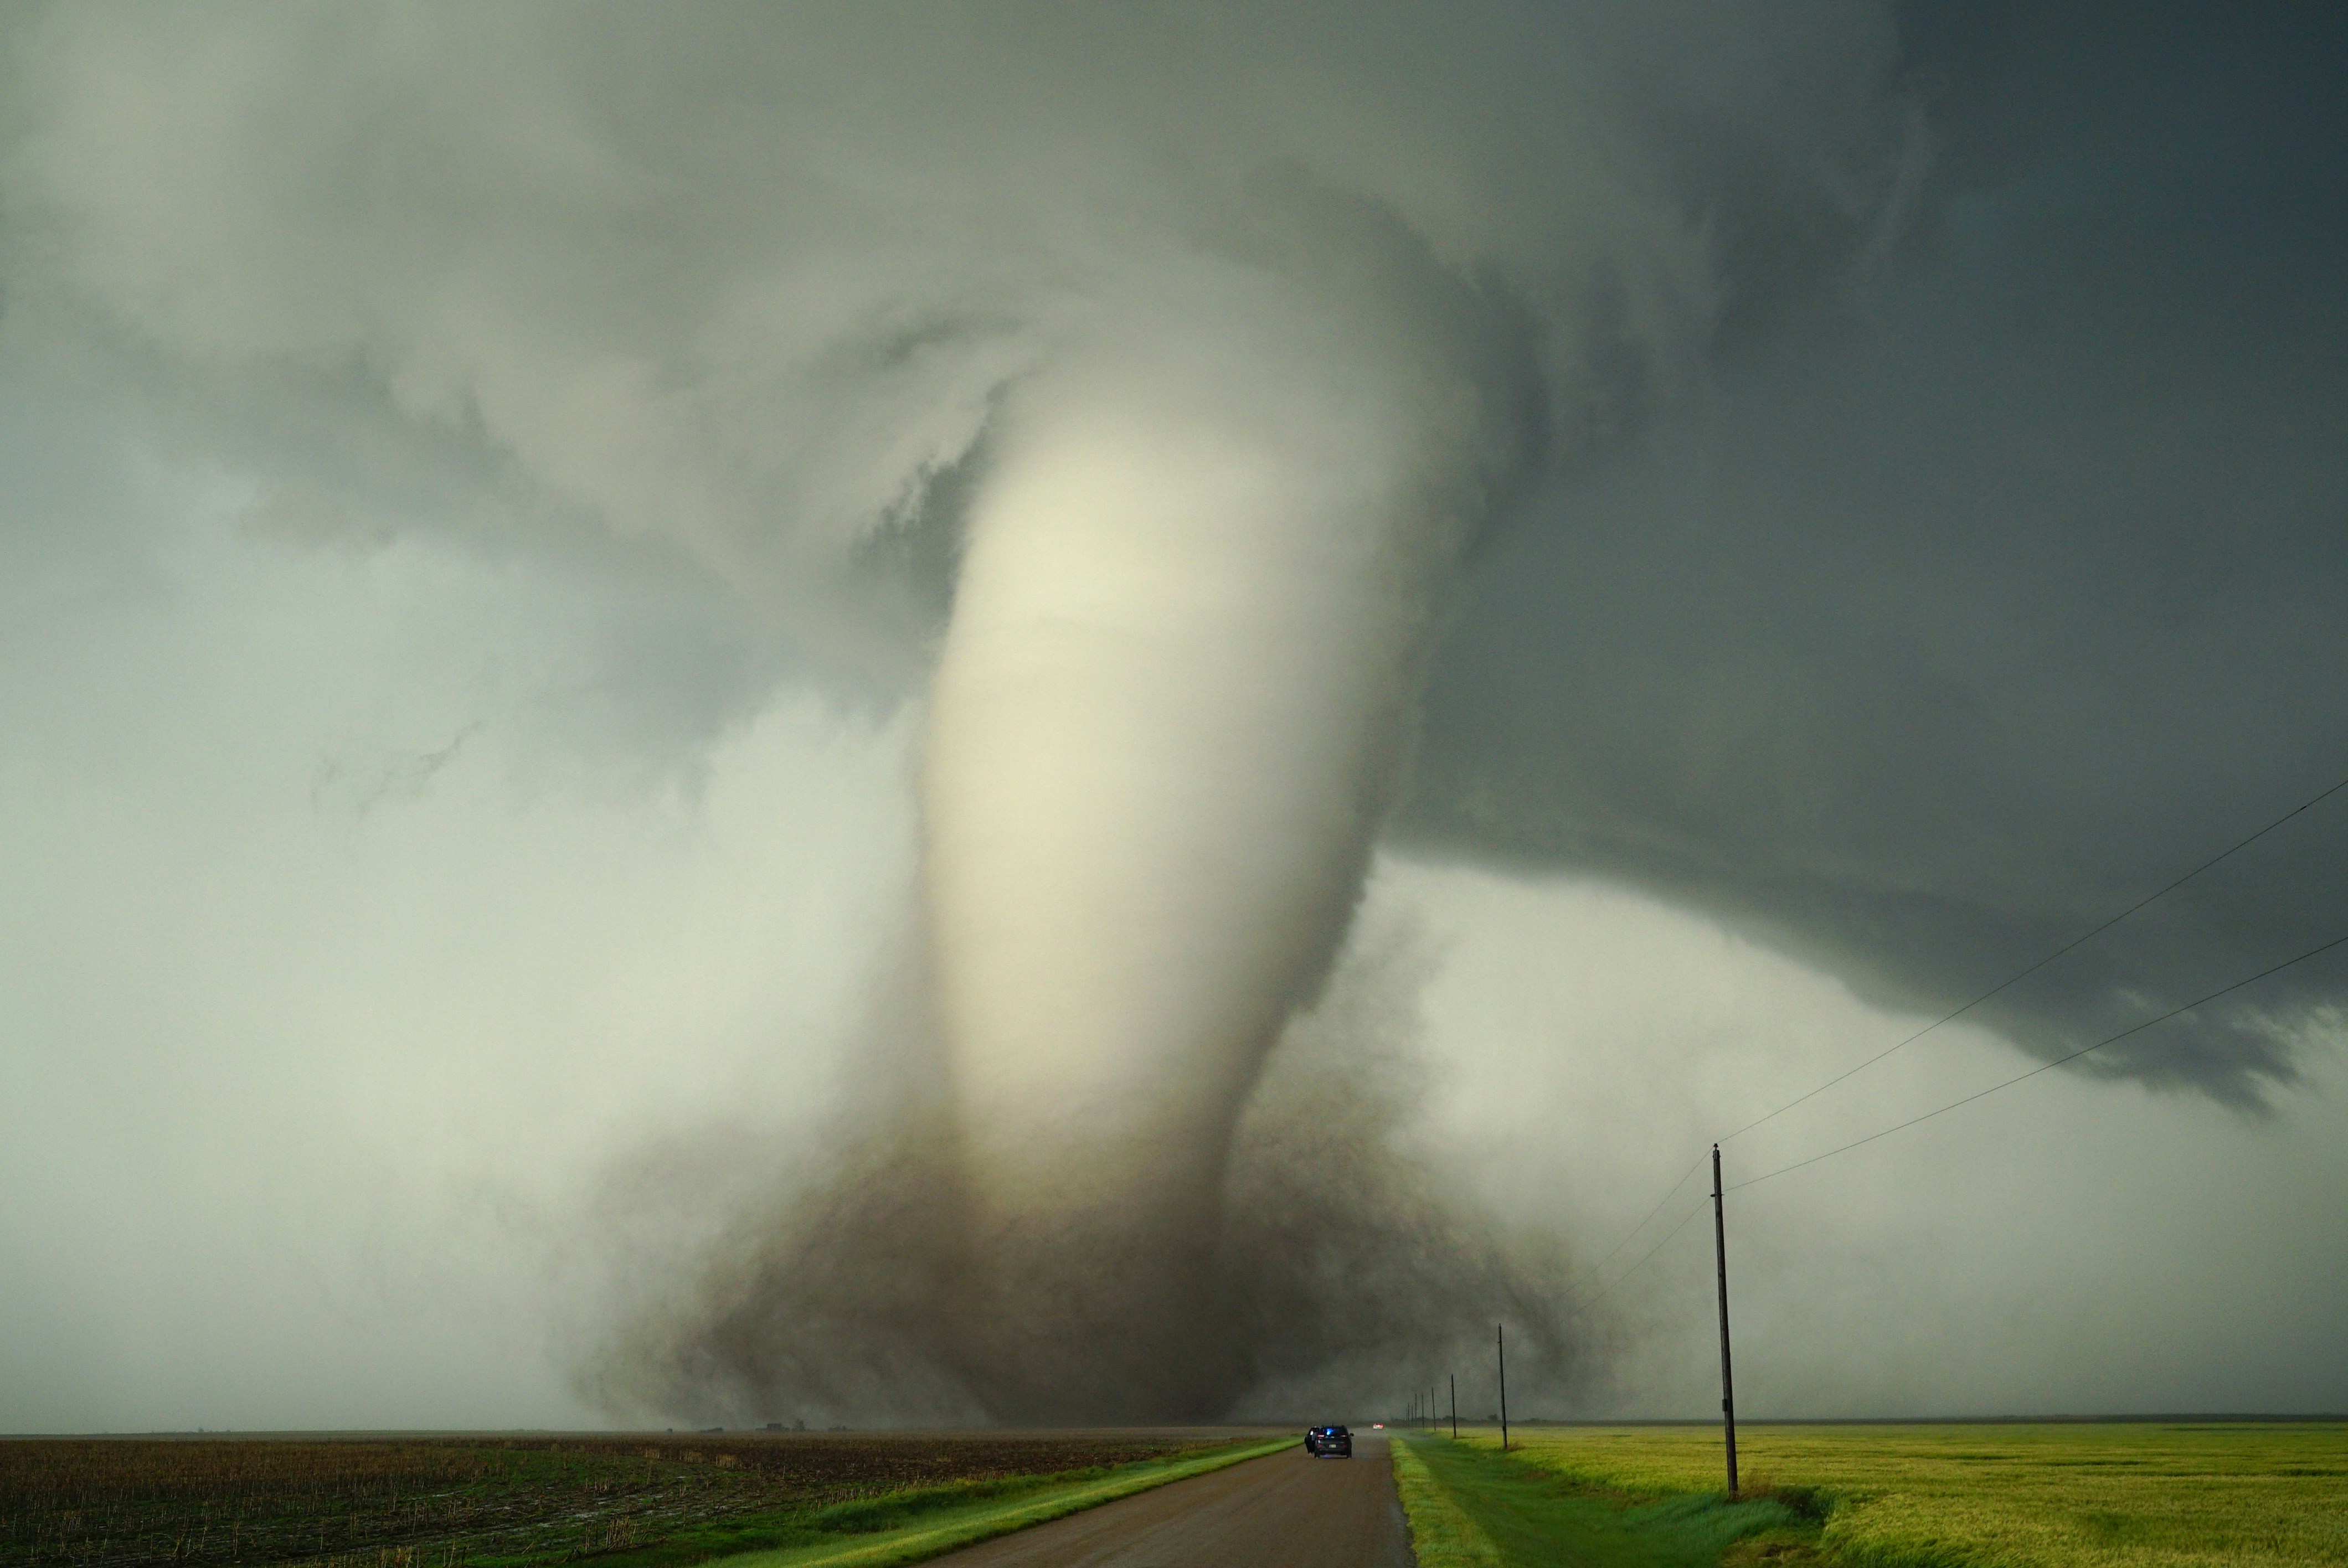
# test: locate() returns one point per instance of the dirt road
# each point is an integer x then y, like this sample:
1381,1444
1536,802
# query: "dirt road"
1285,1511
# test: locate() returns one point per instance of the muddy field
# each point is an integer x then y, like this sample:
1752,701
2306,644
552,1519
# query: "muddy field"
635,1501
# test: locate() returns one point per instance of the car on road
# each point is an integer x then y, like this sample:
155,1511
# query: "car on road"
1321,1442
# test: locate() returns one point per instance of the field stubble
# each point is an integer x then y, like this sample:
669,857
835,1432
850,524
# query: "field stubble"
630,1502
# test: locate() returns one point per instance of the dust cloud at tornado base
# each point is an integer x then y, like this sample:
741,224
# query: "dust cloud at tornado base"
1347,1261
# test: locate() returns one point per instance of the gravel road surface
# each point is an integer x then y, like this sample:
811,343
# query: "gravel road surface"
1286,1510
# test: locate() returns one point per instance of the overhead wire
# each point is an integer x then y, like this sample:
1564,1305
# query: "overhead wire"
1635,1229
2070,946
1663,1241
2047,1065
1600,1265
1591,1300
1950,1017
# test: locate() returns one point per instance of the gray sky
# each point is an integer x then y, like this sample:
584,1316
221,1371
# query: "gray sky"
478,499
1929,643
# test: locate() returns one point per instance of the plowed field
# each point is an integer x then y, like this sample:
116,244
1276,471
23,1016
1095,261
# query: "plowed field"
641,1501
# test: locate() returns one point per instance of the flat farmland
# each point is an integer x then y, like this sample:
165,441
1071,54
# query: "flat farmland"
2134,1494
520,1501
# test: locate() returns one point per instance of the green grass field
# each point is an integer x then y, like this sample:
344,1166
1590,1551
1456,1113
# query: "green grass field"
2115,1495
1468,1507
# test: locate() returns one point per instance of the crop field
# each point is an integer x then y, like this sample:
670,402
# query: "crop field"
640,1501
2096,1495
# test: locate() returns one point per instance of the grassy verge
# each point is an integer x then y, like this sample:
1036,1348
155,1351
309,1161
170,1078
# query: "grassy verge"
914,1526
1469,1505
1441,1534
2190,1494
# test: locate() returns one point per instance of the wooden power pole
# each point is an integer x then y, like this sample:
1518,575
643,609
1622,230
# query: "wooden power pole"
1727,1384
1455,1405
1500,1344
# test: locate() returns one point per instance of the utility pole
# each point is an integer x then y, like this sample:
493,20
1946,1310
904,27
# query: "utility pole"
1455,1407
1500,1343
1727,1384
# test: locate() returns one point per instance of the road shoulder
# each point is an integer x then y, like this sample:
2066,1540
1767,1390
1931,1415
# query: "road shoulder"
1441,1534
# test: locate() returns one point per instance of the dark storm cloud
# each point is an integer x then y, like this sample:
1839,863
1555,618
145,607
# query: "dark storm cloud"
1247,325
1990,580
1981,601
1901,469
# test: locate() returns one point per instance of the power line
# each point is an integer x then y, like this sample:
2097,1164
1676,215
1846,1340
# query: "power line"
1635,1229
1600,1265
1727,1396
2043,1067
1665,1240
1593,1300
2073,944
2025,974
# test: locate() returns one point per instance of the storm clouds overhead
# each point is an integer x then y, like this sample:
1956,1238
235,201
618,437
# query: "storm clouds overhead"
824,703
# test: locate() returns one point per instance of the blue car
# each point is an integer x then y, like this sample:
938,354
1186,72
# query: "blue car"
1322,1441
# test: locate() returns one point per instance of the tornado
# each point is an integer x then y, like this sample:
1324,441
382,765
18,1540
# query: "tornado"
1173,700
